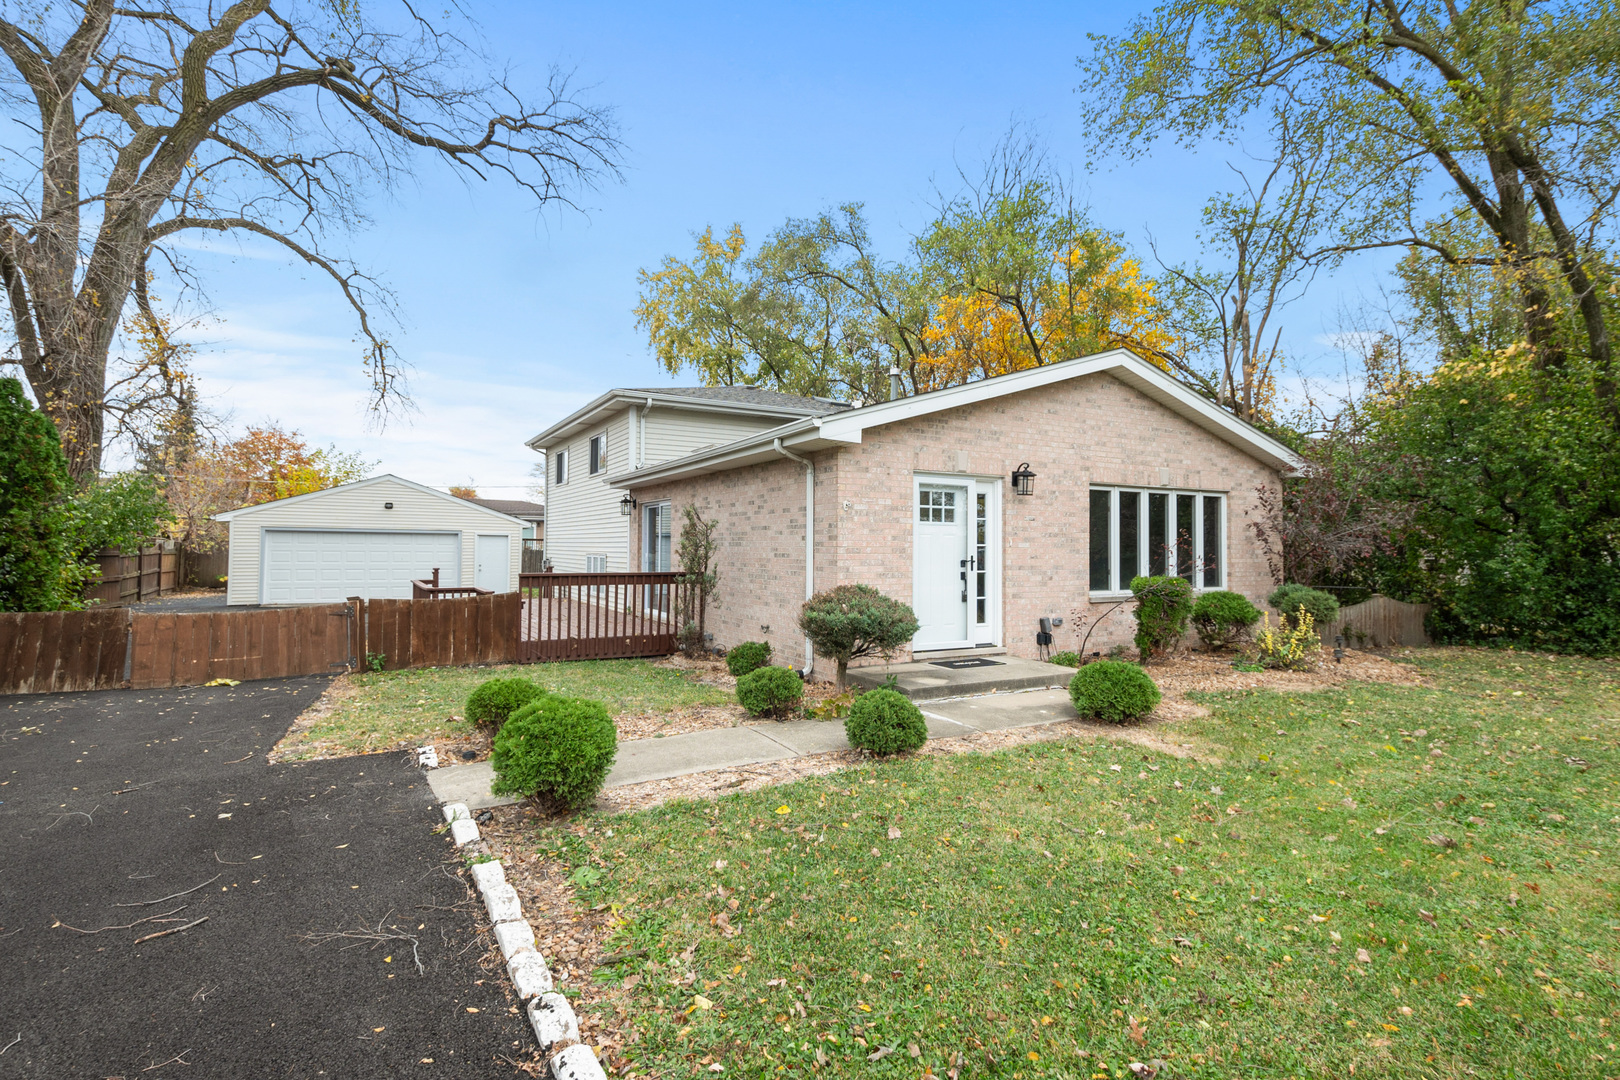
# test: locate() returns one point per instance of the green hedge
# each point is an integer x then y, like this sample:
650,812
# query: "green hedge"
493,701
556,750
1288,599
1222,618
885,722
1114,691
770,691
1163,606
749,656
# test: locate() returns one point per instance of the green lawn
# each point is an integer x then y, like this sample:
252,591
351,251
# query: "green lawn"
412,707
1332,900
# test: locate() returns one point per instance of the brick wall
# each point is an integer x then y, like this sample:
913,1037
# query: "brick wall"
1084,431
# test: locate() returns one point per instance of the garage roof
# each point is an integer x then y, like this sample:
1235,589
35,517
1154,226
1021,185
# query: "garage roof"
243,511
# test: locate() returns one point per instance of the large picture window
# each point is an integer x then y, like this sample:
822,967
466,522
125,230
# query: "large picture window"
1159,533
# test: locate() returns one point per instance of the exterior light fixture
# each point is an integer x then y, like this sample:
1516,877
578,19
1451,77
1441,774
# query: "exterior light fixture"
388,506
1338,648
1023,481
627,505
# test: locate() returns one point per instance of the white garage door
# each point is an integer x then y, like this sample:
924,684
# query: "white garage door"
309,566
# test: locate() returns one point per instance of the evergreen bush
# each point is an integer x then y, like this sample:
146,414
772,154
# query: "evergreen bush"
556,750
885,722
770,691
1114,691
492,702
1222,618
1163,606
855,620
741,659
35,561
1286,600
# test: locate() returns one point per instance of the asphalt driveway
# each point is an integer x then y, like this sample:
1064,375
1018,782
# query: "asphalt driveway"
121,806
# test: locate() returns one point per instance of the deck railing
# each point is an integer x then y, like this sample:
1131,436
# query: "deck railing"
599,616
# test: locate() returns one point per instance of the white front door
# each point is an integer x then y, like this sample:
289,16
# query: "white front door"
493,569
955,571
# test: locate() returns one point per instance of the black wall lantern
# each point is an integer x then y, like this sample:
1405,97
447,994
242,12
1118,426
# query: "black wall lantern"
1023,481
627,505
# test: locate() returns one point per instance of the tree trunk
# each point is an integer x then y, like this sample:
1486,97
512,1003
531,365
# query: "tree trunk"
843,673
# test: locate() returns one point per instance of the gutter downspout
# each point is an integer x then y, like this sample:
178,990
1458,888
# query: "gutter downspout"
809,535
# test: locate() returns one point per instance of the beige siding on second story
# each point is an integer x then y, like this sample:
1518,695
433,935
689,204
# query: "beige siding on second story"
582,515
673,433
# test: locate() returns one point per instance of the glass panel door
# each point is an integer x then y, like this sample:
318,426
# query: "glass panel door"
981,559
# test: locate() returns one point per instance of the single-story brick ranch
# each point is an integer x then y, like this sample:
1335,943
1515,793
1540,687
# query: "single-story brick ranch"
1133,473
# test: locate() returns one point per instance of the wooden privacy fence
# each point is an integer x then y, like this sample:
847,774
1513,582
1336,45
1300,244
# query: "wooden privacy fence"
139,575
110,648
1378,623
440,632
599,616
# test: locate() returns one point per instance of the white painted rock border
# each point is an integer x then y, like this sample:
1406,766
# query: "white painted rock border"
550,1015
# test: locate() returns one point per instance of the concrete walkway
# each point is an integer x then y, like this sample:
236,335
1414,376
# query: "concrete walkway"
641,760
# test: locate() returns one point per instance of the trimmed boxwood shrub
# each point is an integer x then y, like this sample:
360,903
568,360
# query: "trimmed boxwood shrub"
1114,691
885,722
1163,606
850,621
1221,618
1064,659
770,691
493,701
741,659
1287,599
556,750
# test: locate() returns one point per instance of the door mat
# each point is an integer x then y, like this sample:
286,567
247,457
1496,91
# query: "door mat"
966,662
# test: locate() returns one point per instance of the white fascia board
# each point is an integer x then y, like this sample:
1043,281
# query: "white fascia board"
231,515
846,428
1120,363
614,400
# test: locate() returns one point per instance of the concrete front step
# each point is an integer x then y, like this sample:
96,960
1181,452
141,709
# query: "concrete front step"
926,681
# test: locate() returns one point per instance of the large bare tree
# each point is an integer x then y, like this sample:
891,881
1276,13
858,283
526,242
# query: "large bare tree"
151,119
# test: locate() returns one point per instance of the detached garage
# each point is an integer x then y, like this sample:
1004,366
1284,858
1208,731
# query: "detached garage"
368,539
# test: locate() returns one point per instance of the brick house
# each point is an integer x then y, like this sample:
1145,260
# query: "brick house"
1133,473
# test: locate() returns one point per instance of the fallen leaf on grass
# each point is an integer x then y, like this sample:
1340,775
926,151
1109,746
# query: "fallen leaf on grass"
701,1002
1363,956
894,833
880,1053
1426,916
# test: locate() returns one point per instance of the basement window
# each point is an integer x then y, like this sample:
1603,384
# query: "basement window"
1157,533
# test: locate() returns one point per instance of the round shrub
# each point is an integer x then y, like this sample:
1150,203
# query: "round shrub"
885,722
556,750
1066,658
1163,606
1221,618
1287,600
741,659
493,701
1114,691
770,691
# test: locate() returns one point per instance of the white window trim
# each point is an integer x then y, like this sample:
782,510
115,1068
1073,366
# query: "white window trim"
559,472
601,559
662,505
1109,595
601,459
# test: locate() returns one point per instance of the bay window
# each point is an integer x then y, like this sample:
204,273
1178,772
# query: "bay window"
1157,533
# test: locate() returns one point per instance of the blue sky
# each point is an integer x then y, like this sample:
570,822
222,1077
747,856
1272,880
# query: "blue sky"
750,113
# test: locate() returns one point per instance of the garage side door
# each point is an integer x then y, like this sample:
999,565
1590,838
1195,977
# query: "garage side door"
311,566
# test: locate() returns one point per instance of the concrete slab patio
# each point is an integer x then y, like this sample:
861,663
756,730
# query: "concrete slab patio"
927,680
643,760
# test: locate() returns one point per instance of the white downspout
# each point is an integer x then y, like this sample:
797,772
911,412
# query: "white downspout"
809,536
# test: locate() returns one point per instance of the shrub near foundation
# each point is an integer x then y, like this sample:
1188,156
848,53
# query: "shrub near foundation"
493,701
749,656
1222,618
885,722
555,750
1114,691
770,691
